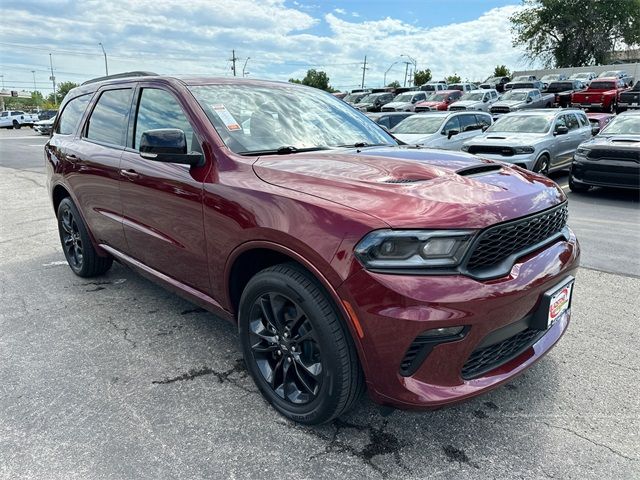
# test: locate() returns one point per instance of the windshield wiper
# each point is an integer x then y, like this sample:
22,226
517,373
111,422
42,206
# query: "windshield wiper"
365,144
284,150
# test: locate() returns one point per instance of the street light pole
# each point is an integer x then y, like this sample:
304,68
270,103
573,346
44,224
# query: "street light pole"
53,79
244,67
106,67
384,81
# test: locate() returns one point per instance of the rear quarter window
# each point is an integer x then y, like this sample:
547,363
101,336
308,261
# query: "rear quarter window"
71,115
109,119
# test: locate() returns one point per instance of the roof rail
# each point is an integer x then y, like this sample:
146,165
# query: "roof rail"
120,75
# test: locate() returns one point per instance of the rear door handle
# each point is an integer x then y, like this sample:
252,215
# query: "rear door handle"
130,174
72,158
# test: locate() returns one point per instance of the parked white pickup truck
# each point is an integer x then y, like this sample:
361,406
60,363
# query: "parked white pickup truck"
16,119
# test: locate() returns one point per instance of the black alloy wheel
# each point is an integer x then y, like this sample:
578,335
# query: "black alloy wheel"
297,347
71,239
76,242
285,348
542,165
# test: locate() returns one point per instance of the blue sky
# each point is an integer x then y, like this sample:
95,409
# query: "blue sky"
281,38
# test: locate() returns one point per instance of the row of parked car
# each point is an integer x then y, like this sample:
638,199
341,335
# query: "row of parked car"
40,121
607,93
541,140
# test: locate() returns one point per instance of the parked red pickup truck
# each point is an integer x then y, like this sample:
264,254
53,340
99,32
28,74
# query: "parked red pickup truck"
602,94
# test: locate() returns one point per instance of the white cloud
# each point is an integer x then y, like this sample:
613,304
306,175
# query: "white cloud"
282,39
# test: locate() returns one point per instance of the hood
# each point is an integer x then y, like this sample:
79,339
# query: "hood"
414,188
617,142
467,103
506,138
397,104
429,104
415,138
507,103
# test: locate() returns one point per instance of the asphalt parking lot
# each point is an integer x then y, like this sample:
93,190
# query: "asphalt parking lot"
116,378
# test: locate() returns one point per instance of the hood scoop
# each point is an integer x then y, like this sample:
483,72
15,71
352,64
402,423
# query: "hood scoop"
496,138
478,170
624,140
404,180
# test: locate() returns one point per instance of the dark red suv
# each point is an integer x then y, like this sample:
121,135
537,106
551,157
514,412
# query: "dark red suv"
346,261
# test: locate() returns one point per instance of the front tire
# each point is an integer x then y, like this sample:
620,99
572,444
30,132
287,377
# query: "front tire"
542,165
17,125
296,348
76,243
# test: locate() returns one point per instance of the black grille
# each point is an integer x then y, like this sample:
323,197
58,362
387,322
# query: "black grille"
423,109
497,243
407,362
630,97
457,107
486,359
500,109
597,154
491,149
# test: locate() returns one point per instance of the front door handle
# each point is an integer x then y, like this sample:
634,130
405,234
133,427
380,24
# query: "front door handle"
72,158
130,174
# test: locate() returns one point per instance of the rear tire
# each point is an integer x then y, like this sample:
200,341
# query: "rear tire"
577,187
296,347
76,243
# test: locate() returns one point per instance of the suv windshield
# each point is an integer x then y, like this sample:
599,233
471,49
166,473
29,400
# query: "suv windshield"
515,95
439,97
355,97
623,125
522,124
419,124
258,119
610,73
475,96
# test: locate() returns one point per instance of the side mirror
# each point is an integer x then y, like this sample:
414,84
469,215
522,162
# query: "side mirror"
452,133
485,99
529,99
484,128
168,145
414,100
595,130
562,130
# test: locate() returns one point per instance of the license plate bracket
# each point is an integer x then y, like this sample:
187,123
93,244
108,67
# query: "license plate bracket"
555,302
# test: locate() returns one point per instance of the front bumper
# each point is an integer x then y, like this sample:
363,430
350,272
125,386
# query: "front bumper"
605,172
393,310
629,105
527,160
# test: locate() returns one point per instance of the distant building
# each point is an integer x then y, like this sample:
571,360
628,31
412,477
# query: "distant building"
626,56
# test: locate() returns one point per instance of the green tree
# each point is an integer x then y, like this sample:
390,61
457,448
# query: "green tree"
420,77
63,89
501,71
394,84
567,33
315,78
455,78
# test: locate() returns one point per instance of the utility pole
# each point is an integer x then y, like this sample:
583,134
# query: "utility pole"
34,90
364,70
2,77
106,67
406,70
53,80
233,62
244,67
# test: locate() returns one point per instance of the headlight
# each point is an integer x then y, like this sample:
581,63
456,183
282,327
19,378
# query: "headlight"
413,249
582,151
520,150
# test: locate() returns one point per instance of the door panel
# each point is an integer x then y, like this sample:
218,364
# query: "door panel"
162,202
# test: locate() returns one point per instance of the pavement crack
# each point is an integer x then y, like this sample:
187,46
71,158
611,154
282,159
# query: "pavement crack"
36,183
380,443
124,331
458,455
598,444
234,375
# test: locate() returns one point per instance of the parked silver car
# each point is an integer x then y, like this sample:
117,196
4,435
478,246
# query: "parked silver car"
539,140
405,102
480,100
446,130
522,99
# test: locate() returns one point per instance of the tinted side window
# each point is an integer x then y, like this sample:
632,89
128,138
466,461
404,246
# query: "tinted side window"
467,123
452,124
483,120
108,121
160,109
582,118
572,122
384,121
71,115
395,120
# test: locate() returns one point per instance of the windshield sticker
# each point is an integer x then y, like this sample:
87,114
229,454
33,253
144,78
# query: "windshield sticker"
226,117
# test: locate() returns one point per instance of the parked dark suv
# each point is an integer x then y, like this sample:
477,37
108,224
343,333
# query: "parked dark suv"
345,260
